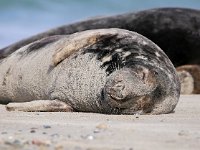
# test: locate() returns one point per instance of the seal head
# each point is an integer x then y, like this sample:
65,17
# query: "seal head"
139,76
129,88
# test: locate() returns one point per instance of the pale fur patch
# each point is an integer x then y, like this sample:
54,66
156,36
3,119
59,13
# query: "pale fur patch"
157,54
106,58
187,82
141,57
119,50
72,46
144,43
125,54
75,43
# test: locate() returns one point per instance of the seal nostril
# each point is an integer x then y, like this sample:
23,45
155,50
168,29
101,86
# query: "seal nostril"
119,86
116,92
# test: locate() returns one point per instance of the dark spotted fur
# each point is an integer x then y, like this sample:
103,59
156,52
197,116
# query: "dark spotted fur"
107,47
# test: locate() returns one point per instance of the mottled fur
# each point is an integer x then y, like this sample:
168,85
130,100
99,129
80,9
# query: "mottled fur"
133,80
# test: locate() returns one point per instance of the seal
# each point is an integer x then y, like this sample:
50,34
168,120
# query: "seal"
190,79
112,71
175,30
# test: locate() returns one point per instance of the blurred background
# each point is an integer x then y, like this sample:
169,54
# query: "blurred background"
22,18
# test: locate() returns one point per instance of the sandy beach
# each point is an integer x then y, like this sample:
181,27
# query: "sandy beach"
58,130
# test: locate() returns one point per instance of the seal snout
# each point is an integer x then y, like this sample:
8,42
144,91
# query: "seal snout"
116,91
128,89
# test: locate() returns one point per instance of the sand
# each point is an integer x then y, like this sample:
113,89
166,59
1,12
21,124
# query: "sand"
61,130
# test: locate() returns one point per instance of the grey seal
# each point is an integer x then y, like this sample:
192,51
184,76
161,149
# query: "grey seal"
112,71
190,79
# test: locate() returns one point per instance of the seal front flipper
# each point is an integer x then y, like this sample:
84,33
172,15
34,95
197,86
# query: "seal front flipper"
40,106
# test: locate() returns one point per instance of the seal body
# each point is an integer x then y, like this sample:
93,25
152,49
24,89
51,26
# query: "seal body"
105,71
190,79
